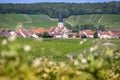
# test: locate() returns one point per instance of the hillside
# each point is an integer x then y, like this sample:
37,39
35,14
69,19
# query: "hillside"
108,20
29,21
13,21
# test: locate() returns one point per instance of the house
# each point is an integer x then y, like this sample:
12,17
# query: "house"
59,32
116,34
87,33
22,33
74,35
4,32
105,34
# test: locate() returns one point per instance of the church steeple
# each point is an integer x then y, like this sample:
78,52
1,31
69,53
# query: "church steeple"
60,20
60,17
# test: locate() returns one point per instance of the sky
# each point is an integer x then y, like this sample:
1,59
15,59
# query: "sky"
70,1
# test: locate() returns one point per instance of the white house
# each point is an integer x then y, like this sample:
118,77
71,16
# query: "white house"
105,34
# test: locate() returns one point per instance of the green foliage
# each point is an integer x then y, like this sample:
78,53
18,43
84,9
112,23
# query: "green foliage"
17,64
45,35
95,35
52,9
88,26
52,47
39,35
101,27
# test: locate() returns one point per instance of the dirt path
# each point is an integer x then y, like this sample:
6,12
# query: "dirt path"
90,18
69,23
100,18
19,25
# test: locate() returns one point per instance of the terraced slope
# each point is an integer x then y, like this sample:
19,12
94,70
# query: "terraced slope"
109,20
29,21
12,21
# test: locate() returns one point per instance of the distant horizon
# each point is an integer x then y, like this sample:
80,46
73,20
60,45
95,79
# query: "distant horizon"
53,1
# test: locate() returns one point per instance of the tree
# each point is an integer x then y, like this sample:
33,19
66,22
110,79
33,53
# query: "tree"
68,26
45,35
88,26
95,34
101,27
39,35
52,9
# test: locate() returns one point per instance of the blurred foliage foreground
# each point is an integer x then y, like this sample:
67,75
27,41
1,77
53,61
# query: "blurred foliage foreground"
22,66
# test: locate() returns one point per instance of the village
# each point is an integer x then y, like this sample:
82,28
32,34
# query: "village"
59,39
59,31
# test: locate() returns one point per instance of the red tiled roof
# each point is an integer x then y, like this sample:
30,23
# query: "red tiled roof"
40,30
89,32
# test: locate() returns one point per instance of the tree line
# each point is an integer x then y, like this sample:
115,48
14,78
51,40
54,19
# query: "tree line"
77,28
67,9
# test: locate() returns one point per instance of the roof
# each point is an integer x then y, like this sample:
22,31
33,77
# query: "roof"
116,33
58,31
89,32
104,33
52,29
40,30
24,33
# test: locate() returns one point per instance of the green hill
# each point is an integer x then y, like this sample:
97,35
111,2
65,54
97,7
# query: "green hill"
12,21
108,20
29,21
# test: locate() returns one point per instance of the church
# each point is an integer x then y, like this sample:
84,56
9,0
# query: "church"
59,31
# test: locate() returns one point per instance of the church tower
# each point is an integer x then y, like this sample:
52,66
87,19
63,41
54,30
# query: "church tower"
60,21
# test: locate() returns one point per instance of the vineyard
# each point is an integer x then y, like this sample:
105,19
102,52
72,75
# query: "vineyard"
59,59
108,20
28,21
13,21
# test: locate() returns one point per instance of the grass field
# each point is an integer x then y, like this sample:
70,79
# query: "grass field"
52,47
59,48
29,21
